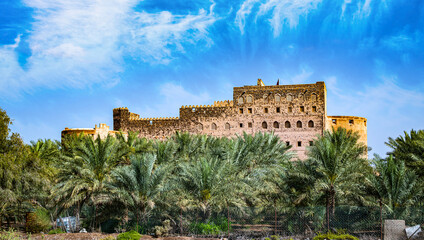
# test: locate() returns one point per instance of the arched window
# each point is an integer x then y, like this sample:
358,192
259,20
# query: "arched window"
301,97
287,124
276,124
289,97
311,124
277,98
264,125
249,99
213,126
313,97
299,124
227,126
240,100
200,127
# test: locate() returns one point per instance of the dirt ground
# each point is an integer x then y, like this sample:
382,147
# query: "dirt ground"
98,236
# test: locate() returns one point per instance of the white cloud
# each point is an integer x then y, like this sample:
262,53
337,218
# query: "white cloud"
389,108
76,43
283,12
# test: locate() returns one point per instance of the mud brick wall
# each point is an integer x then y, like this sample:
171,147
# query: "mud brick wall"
296,113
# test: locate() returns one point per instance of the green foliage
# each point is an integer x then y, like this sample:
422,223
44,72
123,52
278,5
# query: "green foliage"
131,235
330,235
9,235
56,231
108,238
38,221
213,227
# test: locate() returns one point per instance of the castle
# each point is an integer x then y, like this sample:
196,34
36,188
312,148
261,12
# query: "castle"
296,113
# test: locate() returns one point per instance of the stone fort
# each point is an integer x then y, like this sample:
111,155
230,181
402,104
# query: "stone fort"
295,113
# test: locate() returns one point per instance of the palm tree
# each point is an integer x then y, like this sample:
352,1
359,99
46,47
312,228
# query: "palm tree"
132,144
393,185
210,182
139,186
409,149
340,162
84,174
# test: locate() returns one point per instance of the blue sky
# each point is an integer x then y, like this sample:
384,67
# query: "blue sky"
68,63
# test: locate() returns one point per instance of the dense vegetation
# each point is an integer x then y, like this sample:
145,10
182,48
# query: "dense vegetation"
135,183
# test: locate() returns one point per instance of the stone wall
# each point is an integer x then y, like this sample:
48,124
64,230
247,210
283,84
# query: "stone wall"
296,113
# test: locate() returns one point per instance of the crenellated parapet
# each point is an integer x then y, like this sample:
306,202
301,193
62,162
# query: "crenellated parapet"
296,113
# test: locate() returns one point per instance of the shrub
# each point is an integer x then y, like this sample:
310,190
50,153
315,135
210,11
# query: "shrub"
56,231
38,221
213,227
330,235
9,235
108,238
131,235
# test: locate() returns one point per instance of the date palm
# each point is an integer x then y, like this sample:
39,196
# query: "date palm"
393,185
83,174
210,183
341,165
139,186
410,149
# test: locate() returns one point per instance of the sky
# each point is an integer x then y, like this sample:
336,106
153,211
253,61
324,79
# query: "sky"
68,63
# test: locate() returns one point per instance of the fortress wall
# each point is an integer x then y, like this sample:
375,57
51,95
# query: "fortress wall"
356,124
253,109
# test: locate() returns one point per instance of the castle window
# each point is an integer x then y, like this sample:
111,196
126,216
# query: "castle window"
276,124
289,97
299,143
264,125
249,125
265,110
334,121
314,97
277,98
213,126
249,99
249,110
311,124
299,124
193,109
314,108
301,97
277,109
287,124
290,109
240,100
350,121
287,144
200,127
311,143
302,109
241,125
150,122
227,126
241,110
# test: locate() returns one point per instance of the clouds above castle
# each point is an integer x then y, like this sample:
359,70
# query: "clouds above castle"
135,52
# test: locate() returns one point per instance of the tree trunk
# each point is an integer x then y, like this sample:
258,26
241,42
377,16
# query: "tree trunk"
181,221
327,212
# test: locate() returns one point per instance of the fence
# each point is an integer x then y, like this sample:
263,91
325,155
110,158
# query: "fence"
287,222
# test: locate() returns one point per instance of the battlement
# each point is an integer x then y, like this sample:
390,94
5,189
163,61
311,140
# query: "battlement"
296,113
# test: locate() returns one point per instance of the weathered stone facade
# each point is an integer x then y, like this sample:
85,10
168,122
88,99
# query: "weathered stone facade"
102,131
296,113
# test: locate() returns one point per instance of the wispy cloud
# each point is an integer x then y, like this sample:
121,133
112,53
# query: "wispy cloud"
77,43
278,12
389,107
